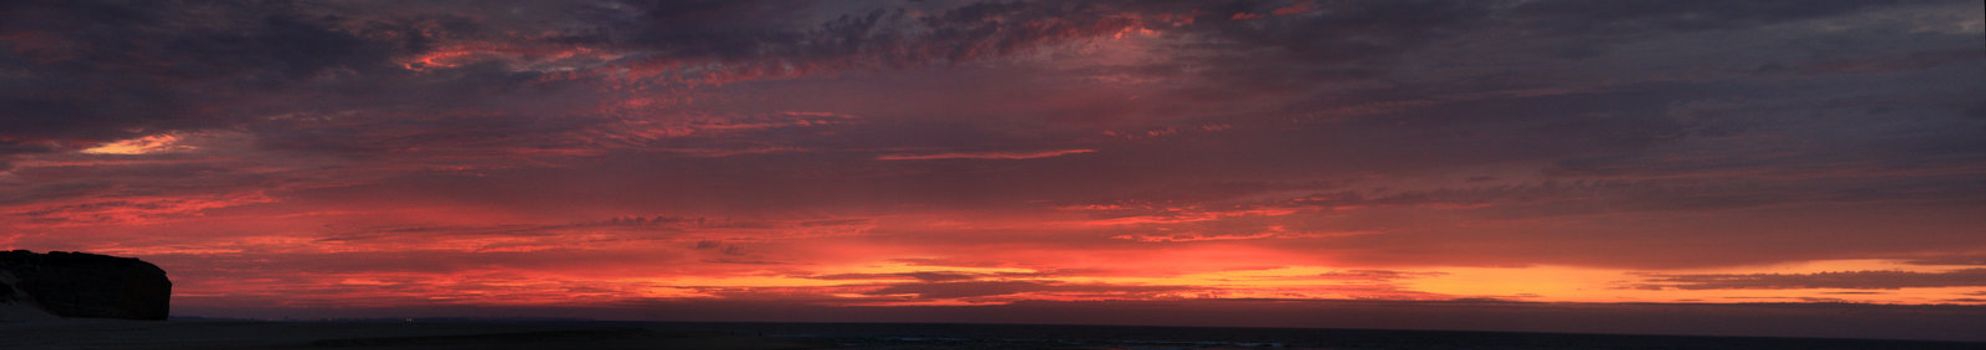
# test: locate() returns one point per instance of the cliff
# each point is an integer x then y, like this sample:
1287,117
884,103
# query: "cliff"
70,284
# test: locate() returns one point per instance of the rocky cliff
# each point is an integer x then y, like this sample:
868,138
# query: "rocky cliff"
70,284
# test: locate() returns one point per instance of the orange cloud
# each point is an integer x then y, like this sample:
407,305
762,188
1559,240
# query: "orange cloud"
150,144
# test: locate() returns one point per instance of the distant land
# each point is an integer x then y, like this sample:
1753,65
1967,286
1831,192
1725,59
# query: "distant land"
36,286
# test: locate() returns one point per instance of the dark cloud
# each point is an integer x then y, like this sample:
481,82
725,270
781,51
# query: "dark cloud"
927,276
950,290
1652,15
973,289
1357,31
93,70
709,29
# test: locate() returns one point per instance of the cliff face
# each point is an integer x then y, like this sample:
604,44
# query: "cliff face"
84,285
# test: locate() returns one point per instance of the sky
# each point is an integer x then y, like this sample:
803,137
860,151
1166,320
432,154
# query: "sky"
893,158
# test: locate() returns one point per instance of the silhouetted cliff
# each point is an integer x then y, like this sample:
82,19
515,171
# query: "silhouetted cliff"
85,285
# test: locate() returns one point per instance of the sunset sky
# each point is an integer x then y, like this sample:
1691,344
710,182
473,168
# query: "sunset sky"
868,155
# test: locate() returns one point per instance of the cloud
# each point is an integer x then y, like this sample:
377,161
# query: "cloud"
139,146
1954,259
987,155
1376,275
132,210
975,289
1844,280
1274,232
1629,16
925,276
103,70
